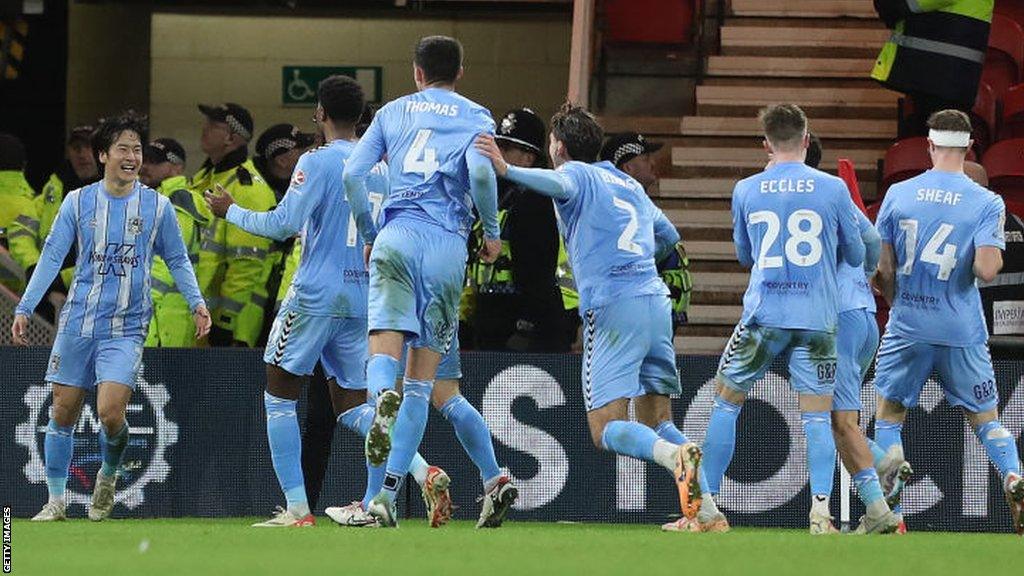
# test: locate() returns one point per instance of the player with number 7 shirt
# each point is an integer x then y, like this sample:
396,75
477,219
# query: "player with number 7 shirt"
940,233
791,225
614,235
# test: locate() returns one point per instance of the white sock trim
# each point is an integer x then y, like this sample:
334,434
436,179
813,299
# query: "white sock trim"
665,454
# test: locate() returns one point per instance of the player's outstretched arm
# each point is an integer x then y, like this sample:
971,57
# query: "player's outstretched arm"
540,180
287,218
885,278
872,243
62,234
171,247
364,157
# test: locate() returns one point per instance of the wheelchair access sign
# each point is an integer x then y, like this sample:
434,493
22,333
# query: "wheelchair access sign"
298,83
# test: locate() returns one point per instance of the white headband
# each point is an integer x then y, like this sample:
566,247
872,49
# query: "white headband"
949,138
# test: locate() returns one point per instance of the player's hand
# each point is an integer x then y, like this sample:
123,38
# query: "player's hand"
490,251
19,330
488,146
367,250
202,319
219,202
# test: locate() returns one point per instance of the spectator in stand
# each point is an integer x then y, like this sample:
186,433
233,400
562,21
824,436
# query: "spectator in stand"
1003,298
934,55
632,153
516,301
19,223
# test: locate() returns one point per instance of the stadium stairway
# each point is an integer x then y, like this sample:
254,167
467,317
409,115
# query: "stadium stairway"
816,53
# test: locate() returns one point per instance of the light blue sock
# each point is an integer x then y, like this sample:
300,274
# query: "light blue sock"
474,435
58,448
668,431
1000,446
358,419
888,434
629,439
286,451
381,371
868,488
821,451
719,444
112,450
876,452
408,432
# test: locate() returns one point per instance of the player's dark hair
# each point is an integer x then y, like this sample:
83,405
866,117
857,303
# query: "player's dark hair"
110,129
12,152
341,98
813,151
784,124
440,58
365,119
950,121
579,131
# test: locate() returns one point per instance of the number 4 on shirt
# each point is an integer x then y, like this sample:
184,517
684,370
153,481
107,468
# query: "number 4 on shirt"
945,260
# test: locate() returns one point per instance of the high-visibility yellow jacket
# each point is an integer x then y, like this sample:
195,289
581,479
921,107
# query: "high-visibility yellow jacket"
19,228
234,266
937,47
291,264
172,324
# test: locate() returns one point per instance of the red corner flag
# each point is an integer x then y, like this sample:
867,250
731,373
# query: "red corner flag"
849,175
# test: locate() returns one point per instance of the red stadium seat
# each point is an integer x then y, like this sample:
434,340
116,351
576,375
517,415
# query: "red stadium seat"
983,118
1004,162
1005,55
1011,8
872,211
1013,113
1015,207
906,159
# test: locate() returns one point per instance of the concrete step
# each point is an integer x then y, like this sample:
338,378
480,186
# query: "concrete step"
710,250
754,158
716,315
870,39
700,218
700,345
805,8
789,67
647,125
747,126
757,96
720,281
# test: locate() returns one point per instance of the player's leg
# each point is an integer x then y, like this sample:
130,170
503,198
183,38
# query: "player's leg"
118,361
856,343
969,382
746,358
293,349
655,410
70,371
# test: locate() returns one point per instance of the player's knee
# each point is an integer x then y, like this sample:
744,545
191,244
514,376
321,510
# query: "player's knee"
112,418
64,415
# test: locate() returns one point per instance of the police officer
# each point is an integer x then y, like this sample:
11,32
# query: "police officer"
277,151
517,303
632,153
233,266
935,54
19,223
163,169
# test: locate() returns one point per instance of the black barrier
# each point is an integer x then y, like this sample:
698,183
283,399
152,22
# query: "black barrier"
198,446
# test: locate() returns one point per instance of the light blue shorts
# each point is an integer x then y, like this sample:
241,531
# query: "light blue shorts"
416,275
450,367
628,352
966,374
84,362
856,343
751,350
298,341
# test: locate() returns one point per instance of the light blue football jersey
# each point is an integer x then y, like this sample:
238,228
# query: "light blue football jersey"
934,222
792,223
332,279
854,290
612,232
117,238
427,139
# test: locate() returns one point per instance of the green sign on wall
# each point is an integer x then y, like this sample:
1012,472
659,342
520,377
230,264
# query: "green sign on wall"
298,83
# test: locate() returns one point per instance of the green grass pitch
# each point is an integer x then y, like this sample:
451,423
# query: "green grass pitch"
191,546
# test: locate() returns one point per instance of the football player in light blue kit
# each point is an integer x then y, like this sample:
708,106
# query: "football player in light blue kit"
323,315
940,233
614,235
417,261
791,225
119,225
856,343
